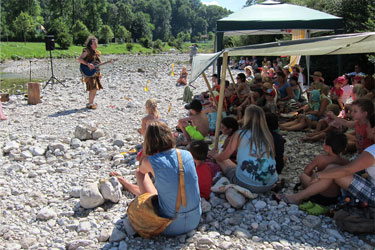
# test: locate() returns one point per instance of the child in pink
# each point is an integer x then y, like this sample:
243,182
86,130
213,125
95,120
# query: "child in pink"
337,91
2,116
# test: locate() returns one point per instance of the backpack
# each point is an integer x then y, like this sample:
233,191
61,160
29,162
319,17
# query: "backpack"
188,95
356,220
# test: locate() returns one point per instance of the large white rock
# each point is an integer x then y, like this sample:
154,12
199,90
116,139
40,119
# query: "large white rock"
82,133
38,150
97,134
90,196
110,189
234,198
11,145
46,213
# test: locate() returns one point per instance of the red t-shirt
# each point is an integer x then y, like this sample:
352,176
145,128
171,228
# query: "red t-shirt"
362,142
204,179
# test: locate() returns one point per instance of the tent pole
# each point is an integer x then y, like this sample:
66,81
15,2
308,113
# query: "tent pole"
209,87
233,83
221,99
308,62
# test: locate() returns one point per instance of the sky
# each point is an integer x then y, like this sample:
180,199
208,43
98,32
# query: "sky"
233,5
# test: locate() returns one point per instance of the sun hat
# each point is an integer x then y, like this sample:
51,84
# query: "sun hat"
249,68
317,74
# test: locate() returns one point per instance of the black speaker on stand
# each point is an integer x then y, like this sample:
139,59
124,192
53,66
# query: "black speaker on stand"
50,45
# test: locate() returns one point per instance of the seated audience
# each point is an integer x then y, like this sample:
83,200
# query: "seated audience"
162,163
196,126
256,166
346,177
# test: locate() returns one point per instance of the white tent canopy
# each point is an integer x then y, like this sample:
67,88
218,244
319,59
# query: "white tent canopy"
326,45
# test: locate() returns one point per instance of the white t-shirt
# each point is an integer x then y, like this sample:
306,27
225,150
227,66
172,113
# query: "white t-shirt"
348,94
371,170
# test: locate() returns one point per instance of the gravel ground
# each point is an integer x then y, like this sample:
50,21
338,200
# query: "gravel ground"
44,166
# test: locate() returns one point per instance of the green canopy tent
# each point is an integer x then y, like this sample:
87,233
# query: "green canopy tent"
271,17
326,45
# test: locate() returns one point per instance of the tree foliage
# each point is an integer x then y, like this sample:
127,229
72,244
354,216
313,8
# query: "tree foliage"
151,19
106,34
23,25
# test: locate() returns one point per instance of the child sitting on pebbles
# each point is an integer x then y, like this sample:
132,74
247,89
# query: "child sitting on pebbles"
334,145
195,126
205,170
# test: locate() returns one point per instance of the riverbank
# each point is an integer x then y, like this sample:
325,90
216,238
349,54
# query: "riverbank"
43,166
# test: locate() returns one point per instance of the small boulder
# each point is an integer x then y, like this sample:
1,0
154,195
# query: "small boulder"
82,133
234,198
46,213
90,197
111,189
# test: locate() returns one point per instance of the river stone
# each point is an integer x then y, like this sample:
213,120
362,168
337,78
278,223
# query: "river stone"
234,198
90,197
111,189
82,133
117,235
11,145
311,221
73,245
46,213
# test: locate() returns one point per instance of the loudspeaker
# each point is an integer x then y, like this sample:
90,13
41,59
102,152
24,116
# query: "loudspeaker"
50,42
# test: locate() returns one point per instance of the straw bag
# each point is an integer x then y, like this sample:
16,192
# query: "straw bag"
142,211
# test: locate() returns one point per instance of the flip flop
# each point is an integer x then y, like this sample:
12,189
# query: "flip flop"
318,210
306,206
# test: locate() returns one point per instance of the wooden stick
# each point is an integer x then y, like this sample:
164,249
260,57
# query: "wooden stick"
221,99
209,87
233,82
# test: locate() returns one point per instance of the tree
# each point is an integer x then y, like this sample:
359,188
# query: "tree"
23,24
106,34
123,34
141,27
80,33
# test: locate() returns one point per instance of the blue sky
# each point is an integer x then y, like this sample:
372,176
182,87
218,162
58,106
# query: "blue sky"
233,5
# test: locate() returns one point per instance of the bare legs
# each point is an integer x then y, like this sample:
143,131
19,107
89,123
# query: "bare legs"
92,94
326,187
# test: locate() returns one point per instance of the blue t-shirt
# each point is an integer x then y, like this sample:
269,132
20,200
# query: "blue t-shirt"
252,170
282,90
165,166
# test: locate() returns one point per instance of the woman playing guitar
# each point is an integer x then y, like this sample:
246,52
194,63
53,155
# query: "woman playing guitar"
91,56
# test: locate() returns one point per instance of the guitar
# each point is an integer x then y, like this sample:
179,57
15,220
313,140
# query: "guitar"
86,71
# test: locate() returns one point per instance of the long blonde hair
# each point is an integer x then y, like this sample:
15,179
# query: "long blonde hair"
152,108
255,121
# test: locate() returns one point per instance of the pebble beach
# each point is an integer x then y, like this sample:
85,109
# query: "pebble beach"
49,151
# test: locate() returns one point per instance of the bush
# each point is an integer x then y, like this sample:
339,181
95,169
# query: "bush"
172,42
179,44
129,46
80,33
145,42
123,34
106,34
64,40
158,44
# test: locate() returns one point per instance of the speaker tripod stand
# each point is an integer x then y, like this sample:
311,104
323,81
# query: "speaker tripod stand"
53,78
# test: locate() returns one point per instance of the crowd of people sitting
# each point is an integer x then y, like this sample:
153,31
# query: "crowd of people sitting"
251,154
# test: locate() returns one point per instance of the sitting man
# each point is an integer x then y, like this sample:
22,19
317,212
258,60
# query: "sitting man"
196,126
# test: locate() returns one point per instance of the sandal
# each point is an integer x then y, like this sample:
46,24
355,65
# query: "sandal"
317,210
306,206
91,106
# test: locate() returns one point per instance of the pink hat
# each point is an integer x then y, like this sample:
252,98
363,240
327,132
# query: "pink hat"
340,79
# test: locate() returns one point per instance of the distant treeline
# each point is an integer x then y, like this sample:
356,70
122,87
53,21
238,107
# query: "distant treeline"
71,21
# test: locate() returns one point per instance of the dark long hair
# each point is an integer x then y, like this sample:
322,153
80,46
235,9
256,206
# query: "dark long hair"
89,41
